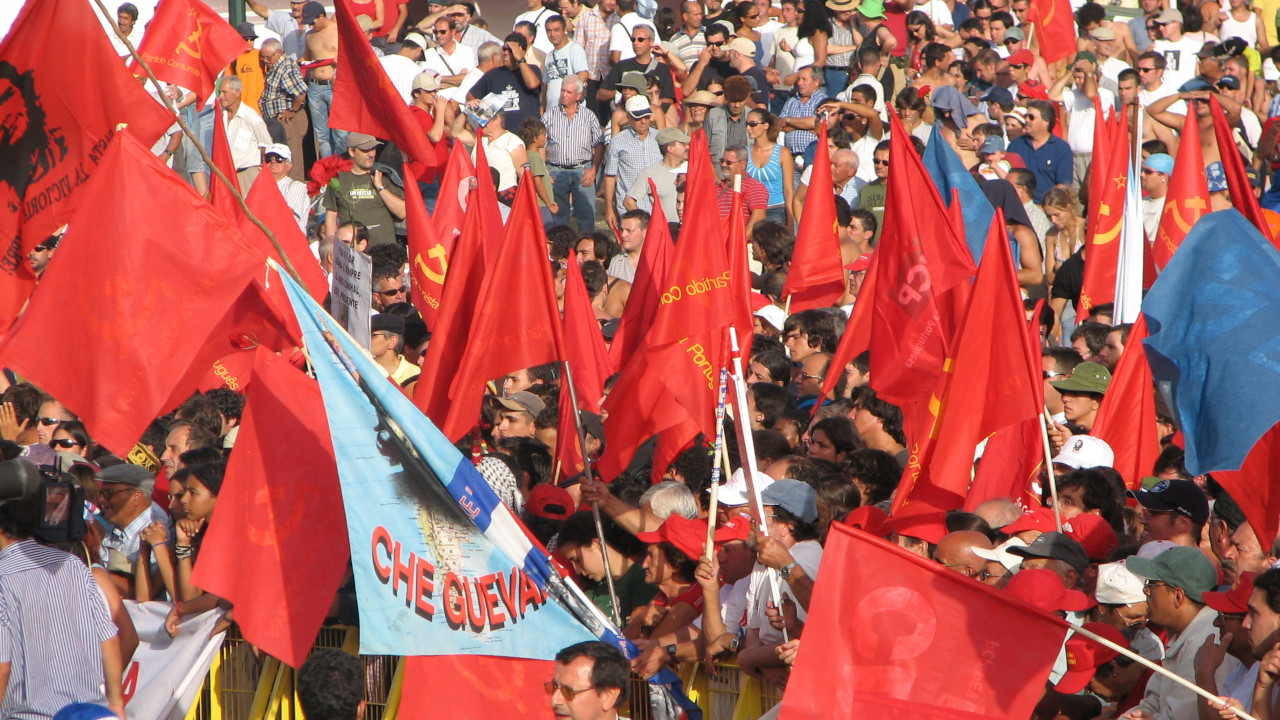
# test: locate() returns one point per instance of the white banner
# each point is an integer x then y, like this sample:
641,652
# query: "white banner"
162,679
352,288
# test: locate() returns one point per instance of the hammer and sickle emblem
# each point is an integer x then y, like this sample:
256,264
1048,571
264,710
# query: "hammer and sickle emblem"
1197,207
1102,238
194,40
435,253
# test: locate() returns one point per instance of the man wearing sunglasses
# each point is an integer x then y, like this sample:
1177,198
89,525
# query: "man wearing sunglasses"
590,682
279,162
363,193
388,286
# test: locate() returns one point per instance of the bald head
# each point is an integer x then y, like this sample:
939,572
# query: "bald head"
955,552
844,164
999,512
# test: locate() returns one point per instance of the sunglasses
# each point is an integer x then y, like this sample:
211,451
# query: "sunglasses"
1019,67
568,692
880,162
275,160
393,292
716,44
717,93
63,443
47,421
438,33
1010,41
754,123
1146,70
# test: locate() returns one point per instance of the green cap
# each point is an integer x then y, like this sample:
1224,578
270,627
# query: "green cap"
1088,377
1086,55
1181,567
872,8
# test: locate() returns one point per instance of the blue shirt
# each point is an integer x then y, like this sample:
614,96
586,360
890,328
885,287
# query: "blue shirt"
1050,163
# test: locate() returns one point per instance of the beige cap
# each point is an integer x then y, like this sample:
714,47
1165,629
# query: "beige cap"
702,97
425,81
743,46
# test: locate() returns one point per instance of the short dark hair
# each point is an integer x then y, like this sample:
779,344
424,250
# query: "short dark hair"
200,456
877,470
532,457
331,685
1047,112
1156,58
603,246
934,52
867,218
824,326
26,400
1094,334
889,414
230,403
1123,329
580,530
203,411
610,668
839,431
772,400
1269,583
1102,489
1129,74
1023,177
640,215
518,39
775,241
776,363
1065,359
770,444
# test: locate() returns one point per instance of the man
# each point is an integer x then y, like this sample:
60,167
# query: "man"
127,21
388,282
1244,549
184,436
798,114
1176,582
460,16
1106,46
575,148
591,682
584,551
1057,552
937,59
1082,394
726,125
52,413
248,66
1151,75
631,232
321,55
285,23
406,64
1156,170
1179,51
872,195
811,331
844,179
674,146
1077,91
1113,677
125,500
525,378
1122,604
538,16
246,132
630,152
283,97
1114,347
386,345
61,646
808,381
879,424
362,193
643,60
590,32
279,161
955,552
1234,612
755,196
564,58
519,83
449,59
516,414
1173,510
688,41
623,33
331,686
1048,157
40,255
1142,27
1024,184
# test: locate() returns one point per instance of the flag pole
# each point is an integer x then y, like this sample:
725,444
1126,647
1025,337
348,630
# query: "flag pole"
204,154
1213,699
718,449
1048,466
595,504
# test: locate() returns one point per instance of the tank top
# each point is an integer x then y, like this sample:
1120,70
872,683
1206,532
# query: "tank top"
770,175
1247,30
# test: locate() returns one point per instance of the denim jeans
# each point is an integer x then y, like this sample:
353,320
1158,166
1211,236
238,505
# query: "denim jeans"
567,183
328,140
836,80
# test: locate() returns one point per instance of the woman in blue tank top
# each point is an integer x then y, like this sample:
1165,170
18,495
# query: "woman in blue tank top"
771,164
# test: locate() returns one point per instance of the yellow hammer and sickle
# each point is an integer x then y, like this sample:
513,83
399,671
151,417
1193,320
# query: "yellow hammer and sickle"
1195,204
193,38
1102,238
436,253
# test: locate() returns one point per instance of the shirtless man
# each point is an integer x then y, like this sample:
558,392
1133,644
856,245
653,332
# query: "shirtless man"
320,65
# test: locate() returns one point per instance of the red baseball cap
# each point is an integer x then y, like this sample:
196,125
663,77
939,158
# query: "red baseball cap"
1093,533
737,527
550,502
1044,589
1234,601
690,536
869,519
1085,656
930,528
1033,90
862,263
1022,57
1039,519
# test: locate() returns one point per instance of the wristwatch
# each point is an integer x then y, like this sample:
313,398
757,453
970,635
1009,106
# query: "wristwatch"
671,651
784,572
733,644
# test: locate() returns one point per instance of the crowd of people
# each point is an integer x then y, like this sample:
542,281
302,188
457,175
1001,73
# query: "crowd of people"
600,102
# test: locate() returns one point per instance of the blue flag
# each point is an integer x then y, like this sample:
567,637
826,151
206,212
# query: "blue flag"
949,173
1214,343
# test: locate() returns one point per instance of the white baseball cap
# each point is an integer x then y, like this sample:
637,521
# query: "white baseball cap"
1117,585
278,149
1001,554
735,492
1082,452
773,315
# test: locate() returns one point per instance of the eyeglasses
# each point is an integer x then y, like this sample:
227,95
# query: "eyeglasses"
440,32
569,693
878,161
754,123
108,494
46,421
1150,585
1237,617
804,374
640,39
1050,374
63,443
717,93
716,44
1010,41
393,291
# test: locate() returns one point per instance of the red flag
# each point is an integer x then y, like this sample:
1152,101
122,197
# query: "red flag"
474,685
740,278
1188,197
991,383
1242,195
267,204
126,318
428,255
220,196
188,44
364,100
453,323
277,548
923,285
64,93
646,289
857,334
1010,467
1055,27
892,634
583,342
816,277
1102,247
1253,486
456,184
487,199
1127,417
517,323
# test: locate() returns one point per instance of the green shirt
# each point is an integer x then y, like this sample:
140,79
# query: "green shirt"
632,591
353,197
871,198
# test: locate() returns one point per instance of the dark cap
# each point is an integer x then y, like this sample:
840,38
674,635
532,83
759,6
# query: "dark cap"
311,11
1181,567
1180,496
130,475
386,322
1057,546
247,31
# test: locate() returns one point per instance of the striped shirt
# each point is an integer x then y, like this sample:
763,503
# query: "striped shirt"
798,140
473,37
570,141
295,196
687,48
53,621
591,32
841,35
125,540
628,156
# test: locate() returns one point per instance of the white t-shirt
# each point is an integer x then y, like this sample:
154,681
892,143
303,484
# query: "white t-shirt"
764,48
539,19
937,11
808,555
445,64
498,152
560,64
1081,109
1180,59
620,35
402,71
1146,97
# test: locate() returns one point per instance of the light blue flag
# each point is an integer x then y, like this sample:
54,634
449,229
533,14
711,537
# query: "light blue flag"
949,173
1214,342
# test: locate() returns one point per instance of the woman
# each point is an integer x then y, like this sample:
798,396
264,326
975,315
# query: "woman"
1242,22
814,33
771,164
696,107
911,108
832,439
920,32
746,18
198,501
844,42
71,437
679,598
1067,234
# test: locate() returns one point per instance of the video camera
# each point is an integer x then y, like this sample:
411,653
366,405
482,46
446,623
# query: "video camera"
61,498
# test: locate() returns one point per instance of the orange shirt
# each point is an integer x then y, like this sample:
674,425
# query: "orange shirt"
248,67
